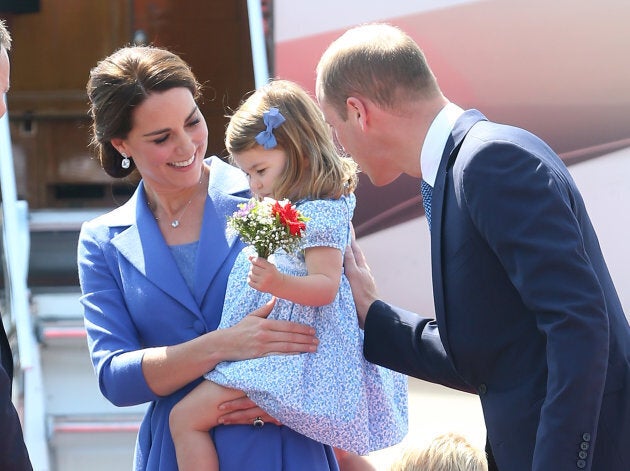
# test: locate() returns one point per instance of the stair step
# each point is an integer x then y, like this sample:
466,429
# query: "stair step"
111,423
57,305
53,333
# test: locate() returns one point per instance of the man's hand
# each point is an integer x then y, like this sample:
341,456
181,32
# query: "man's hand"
361,280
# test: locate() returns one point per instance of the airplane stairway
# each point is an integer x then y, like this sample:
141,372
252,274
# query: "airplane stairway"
84,430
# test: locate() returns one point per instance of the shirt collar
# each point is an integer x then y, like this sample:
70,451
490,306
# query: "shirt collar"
435,141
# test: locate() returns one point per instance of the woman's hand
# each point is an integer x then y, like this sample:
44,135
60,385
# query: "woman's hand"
256,336
243,411
167,369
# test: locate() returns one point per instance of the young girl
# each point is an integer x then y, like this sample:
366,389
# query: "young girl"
279,139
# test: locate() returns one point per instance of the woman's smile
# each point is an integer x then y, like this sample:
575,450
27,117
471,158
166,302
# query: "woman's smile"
184,163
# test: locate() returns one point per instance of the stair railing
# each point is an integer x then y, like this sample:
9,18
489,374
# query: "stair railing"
15,260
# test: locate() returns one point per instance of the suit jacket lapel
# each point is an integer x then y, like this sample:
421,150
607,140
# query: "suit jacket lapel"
461,128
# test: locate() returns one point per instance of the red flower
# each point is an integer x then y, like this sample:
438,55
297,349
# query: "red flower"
289,217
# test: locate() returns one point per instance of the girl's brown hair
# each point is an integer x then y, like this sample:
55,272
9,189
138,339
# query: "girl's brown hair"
315,169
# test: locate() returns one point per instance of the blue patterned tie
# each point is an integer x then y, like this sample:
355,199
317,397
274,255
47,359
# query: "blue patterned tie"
427,191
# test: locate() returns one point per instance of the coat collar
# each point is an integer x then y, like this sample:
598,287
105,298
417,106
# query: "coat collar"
142,244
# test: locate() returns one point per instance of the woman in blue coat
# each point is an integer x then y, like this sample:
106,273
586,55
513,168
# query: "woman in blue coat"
153,272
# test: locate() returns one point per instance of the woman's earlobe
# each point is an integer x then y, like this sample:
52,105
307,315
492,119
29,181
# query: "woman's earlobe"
118,145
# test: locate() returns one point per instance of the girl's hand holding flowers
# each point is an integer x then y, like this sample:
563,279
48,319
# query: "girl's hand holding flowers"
263,275
269,225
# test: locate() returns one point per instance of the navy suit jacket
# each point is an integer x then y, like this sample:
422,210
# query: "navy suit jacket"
13,453
527,315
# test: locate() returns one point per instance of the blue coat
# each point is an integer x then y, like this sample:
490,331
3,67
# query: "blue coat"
527,315
134,297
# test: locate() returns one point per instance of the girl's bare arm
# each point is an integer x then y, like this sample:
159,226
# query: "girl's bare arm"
318,288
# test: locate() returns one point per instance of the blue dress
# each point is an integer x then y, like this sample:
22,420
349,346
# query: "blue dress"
135,297
333,396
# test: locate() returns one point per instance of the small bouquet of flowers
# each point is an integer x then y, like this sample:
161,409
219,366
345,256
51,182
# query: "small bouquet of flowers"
268,225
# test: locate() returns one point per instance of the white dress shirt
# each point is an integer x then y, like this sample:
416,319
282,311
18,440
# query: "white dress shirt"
435,141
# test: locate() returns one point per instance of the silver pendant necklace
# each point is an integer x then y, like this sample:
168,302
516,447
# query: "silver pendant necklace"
175,222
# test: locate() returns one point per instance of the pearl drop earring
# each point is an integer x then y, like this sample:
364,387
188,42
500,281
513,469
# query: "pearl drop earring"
125,161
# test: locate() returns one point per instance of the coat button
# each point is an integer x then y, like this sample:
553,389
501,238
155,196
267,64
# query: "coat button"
586,437
582,455
482,389
581,464
584,446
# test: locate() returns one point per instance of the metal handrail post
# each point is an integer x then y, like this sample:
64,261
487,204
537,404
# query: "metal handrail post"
259,48
16,246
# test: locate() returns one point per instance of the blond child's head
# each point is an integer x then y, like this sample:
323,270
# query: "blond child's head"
448,452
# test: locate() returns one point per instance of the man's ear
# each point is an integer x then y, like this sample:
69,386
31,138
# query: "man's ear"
357,111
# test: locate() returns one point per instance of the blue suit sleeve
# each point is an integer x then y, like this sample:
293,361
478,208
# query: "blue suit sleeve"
408,343
13,452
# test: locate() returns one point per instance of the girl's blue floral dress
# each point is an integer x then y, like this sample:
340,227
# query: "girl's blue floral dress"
333,396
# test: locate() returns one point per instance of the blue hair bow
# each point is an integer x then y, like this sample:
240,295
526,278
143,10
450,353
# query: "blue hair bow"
272,119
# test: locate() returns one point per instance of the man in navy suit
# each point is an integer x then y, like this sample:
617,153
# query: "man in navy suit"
13,453
527,315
